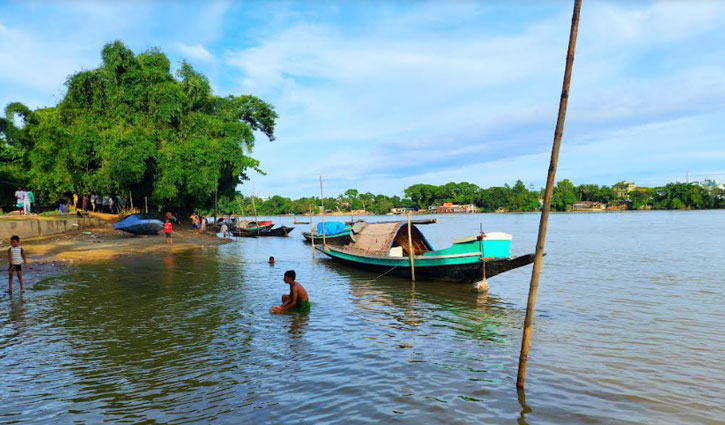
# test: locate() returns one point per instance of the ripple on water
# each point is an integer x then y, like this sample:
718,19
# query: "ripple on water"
626,331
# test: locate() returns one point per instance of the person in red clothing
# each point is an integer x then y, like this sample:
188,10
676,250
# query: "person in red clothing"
167,232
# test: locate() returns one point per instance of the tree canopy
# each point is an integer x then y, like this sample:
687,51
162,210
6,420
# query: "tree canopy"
130,125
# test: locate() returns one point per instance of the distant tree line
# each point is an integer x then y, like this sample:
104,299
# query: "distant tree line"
516,198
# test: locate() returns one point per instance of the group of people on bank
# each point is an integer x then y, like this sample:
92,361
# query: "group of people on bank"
24,200
96,203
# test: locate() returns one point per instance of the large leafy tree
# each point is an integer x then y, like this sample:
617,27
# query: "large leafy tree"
131,126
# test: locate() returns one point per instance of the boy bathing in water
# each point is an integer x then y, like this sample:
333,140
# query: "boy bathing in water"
296,300
16,259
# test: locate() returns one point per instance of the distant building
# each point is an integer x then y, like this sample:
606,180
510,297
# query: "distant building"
402,210
450,207
623,188
588,206
709,184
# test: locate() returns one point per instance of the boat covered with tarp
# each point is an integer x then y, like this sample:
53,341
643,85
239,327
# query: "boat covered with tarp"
385,248
139,224
336,233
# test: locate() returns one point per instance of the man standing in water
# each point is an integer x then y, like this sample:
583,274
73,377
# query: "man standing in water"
297,298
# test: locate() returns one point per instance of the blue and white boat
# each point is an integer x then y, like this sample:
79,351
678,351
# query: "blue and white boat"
139,224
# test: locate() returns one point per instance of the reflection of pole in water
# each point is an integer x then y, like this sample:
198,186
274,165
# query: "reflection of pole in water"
482,301
524,407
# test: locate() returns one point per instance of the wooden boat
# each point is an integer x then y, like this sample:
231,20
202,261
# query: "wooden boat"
244,228
336,239
281,231
383,248
139,224
337,234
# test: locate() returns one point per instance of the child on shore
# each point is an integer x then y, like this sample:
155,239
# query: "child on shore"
297,298
167,232
16,259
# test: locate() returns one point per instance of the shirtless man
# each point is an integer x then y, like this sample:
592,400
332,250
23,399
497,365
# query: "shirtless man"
296,300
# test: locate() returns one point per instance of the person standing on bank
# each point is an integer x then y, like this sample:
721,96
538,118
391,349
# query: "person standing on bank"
31,201
16,259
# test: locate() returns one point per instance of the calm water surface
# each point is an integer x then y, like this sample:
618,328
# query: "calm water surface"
629,329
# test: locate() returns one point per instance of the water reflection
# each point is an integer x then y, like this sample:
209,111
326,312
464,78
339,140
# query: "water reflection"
525,409
18,315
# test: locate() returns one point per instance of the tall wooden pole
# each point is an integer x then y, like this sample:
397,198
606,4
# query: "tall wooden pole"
528,321
324,230
146,202
130,196
254,206
411,252
312,233
216,194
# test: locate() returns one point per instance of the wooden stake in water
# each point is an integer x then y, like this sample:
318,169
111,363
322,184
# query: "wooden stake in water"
324,230
312,233
482,286
411,253
528,321
254,206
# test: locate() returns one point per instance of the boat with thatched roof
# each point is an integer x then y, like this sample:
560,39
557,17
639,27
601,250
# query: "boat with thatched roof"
384,248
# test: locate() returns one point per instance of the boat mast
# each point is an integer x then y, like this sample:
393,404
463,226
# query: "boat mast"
322,196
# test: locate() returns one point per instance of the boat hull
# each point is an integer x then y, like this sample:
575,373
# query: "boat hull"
137,224
338,239
461,269
281,231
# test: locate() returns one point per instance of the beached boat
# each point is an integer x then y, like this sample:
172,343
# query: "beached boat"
383,248
281,231
139,224
336,234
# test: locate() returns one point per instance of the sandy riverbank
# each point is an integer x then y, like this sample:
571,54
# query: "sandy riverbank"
104,243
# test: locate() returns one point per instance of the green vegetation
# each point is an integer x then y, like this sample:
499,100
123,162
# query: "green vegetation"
130,126
518,198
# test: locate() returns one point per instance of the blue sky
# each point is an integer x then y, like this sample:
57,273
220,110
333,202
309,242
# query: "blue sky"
378,95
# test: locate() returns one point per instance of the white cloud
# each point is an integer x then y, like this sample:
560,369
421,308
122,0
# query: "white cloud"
193,52
432,104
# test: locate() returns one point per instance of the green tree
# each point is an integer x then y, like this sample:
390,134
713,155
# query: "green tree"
132,126
564,195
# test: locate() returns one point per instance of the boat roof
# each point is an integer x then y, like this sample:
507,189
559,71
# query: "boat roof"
378,238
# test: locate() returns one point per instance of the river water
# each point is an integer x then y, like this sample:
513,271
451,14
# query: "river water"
628,329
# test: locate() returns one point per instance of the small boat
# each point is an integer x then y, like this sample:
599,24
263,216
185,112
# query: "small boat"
139,224
245,228
336,234
383,248
281,231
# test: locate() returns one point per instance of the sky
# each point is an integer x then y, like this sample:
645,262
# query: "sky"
379,95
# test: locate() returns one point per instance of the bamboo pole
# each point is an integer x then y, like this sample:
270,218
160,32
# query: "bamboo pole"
322,196
130,195
146,202
482,286
528,321
312,233
411,253
254,206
